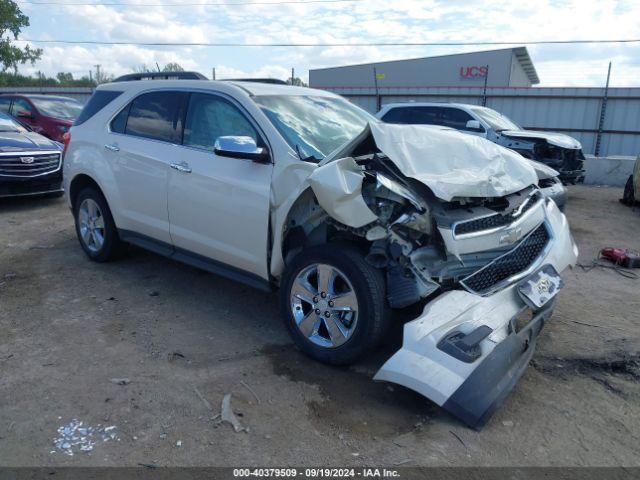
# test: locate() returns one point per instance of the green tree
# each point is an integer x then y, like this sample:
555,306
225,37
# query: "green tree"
12,21
65,78
173,67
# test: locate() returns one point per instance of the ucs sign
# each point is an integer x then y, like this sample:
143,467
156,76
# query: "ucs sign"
473,72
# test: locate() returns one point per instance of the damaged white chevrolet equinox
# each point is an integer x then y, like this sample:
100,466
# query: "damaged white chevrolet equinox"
297,189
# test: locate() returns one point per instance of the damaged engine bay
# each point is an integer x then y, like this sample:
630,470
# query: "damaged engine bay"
406,238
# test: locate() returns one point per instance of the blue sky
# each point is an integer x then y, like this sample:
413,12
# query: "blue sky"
358,21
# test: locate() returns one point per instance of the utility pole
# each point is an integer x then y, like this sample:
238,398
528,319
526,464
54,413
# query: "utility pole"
293,75
97,73
375,82
213,73
484,90
603,112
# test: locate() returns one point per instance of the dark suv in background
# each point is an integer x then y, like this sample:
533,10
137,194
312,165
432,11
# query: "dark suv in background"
30,164
48,115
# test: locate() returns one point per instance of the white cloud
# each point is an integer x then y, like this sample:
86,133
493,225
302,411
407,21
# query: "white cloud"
348,22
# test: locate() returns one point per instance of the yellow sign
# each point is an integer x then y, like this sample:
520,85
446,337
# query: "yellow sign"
379,76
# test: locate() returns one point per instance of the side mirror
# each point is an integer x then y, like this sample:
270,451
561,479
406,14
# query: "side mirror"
25,114
474,125
240,147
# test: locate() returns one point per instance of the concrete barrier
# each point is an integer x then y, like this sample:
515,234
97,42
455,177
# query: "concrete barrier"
613,171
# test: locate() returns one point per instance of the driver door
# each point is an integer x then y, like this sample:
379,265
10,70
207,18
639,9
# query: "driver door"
219,206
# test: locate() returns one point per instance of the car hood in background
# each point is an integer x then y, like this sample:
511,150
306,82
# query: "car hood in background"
25,141
557,139
543,171
450,163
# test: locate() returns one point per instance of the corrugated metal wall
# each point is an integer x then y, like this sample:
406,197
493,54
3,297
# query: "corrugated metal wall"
574,111
81,94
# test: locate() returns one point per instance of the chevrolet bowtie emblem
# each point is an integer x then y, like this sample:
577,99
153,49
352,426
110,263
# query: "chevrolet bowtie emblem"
510,236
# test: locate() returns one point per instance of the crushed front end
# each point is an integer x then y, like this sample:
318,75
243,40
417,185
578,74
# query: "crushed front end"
473,342
565,156
456,223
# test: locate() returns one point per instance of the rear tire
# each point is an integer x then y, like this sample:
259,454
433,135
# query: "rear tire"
95,227
338,320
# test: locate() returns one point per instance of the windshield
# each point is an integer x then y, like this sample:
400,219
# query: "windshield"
9,125
314,126
496,120
67,108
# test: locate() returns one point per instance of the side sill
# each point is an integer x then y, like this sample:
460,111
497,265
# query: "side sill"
195,260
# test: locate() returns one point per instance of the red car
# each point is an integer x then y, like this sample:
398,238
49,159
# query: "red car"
48,115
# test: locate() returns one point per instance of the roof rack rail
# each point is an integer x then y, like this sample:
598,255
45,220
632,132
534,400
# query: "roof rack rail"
161,76
274,81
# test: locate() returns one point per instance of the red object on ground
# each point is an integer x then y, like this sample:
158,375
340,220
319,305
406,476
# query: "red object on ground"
621,256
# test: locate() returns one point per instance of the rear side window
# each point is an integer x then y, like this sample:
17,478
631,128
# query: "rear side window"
119,122
99,100
397,115
157,115
413,116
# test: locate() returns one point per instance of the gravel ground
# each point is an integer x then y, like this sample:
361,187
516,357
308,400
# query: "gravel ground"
68,327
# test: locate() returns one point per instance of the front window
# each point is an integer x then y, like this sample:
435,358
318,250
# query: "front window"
314,126
495,120
7,124
66,108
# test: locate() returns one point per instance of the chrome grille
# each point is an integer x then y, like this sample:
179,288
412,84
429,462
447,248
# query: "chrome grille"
29,164
493,221
510,264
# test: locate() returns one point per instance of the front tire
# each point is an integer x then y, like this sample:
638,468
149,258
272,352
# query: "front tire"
95,227
334,303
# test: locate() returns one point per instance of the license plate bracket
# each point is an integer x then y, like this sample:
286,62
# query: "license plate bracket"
540,287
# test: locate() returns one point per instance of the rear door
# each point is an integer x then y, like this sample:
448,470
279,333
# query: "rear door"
219,206
142,142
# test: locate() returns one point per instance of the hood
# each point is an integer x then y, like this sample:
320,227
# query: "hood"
553,138
450,163
25,141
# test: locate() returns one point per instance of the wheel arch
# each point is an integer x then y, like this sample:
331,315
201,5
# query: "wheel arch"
79,183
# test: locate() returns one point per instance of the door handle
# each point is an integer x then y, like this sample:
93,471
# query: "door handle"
181,167
112,148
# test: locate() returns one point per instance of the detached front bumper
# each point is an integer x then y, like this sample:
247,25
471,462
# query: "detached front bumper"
490,330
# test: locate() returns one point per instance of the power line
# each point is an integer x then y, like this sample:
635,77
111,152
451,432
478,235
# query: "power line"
215,4
333,44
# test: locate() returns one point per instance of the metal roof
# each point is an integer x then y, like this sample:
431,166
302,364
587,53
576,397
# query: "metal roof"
523,57
521,53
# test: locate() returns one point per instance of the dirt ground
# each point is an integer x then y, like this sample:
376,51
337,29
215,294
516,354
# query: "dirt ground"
68,326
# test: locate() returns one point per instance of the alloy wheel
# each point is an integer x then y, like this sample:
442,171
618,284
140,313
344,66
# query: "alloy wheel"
324,305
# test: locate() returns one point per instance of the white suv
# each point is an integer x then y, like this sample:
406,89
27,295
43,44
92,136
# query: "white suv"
297,189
